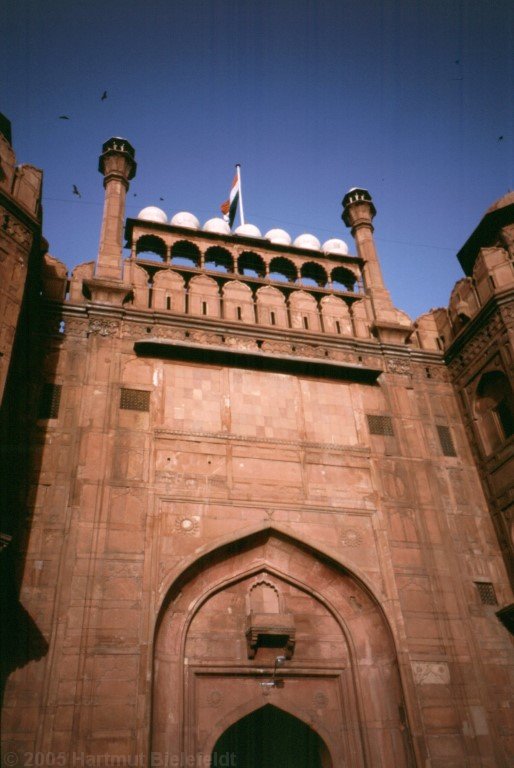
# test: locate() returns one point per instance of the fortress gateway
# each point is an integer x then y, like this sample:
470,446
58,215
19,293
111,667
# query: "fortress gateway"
254,516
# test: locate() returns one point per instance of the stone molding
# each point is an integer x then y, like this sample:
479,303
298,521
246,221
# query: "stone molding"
232,437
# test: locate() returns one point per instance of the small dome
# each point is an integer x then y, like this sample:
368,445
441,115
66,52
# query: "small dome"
307,241
248,230
217,225
152,213
185,219
334,245
278,236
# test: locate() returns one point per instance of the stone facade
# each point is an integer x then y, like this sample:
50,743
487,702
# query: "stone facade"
255,489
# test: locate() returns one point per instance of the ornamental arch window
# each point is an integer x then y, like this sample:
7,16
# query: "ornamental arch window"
494,409
282,270
150,246
313,274
251,265
218,259
185,254
343,279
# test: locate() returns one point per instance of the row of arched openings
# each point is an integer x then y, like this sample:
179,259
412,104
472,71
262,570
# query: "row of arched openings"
249,264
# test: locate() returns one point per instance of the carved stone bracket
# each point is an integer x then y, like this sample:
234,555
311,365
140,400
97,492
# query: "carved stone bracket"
276,630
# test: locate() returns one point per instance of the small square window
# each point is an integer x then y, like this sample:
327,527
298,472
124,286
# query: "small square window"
135,399
486,592
446,440
380,425
49,401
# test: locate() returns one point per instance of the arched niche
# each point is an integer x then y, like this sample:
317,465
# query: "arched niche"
204,297
78,292
304,311
238,302
342,679
139,280
360,319
494,410
336,316
271,307
169,293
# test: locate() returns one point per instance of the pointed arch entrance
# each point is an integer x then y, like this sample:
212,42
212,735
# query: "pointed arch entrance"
215,654
273,738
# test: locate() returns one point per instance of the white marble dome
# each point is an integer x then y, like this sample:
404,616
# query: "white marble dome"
248,230
152,213
335,245
307,241
219,226
185,219
279,236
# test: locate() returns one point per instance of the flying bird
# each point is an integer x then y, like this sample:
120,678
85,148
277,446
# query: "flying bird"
500,138
63,117
75,191
104,96
162,198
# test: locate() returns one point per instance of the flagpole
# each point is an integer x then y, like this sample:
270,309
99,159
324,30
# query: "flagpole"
241,209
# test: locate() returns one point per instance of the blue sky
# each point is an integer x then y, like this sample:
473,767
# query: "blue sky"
406,98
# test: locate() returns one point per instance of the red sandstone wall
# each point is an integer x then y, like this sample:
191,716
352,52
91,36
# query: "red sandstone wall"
124,500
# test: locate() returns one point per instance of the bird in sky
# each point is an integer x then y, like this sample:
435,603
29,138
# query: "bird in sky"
63,117
104,96
161,198
500,138
75,191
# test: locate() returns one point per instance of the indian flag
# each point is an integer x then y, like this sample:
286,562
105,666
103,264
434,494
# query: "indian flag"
229,207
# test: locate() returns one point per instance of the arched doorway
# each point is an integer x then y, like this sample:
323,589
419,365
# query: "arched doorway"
270,738
215,653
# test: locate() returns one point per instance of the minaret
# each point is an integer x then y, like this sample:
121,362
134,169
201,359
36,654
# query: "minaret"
390,325
118,166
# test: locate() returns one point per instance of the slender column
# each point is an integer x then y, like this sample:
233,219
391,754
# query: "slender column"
118,166
358,212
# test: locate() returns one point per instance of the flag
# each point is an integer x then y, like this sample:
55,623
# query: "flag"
229,207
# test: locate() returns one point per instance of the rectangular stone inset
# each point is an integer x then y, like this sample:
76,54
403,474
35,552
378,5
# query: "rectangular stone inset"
486,592
134,399
380,425
446,440
49,401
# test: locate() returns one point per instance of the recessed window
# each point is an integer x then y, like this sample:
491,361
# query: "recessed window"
272,318
49,401
494,406
446,440
380,425
239,313
134,399
204,307
305,323
168,302
486,592
338,326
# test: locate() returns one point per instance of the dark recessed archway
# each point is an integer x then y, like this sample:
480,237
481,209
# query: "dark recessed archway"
270,738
